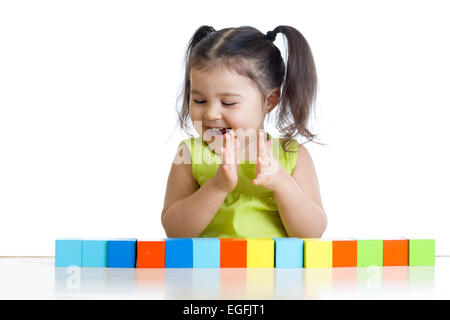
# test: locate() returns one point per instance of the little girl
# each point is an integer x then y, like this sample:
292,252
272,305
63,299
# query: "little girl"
235,180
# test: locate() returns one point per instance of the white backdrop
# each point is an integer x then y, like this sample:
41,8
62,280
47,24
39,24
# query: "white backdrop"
87,113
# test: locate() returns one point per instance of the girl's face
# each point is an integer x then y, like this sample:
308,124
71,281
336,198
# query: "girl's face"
219,99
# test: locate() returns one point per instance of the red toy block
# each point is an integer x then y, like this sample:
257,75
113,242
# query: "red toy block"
233,253
344,253
150,254
395,252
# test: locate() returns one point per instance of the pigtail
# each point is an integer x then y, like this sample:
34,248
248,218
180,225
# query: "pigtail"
184,95
299,87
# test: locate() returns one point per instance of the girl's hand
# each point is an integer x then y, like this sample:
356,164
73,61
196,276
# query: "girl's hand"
269,172
226,176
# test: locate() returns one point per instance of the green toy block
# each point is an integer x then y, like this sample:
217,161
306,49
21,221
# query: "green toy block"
421,252
369,253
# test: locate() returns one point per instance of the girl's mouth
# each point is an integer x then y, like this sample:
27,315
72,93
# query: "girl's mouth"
218,131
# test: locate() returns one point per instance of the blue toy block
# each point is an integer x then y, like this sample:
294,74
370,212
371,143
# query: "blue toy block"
206,253
122,253
178,253
68,252
95,253
288,253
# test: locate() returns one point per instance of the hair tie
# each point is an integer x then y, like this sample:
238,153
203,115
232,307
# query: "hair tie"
271,35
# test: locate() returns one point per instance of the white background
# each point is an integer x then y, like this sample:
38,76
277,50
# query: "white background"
88,125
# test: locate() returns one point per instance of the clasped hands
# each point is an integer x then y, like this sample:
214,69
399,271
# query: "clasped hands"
269,173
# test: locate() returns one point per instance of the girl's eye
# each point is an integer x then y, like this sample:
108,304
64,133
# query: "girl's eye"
203,101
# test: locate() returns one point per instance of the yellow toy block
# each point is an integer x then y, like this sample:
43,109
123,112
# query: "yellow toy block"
260,253
317,253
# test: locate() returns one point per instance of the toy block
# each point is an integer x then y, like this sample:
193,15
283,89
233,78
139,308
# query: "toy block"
317,253
206,253
370,252
344,253
421,252
95,253
233,253
68,252
122,253
395,252
260,253
288,253
150,254
178,252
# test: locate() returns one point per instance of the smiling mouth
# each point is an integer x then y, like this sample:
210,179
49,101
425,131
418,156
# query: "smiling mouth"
218,131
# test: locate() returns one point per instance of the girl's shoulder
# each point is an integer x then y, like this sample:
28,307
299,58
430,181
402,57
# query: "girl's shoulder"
193,151
187,145
304,160
189,142
285,151
185,151
288,145
295,154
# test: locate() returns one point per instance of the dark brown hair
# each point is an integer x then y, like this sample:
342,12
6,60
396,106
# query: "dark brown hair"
251,53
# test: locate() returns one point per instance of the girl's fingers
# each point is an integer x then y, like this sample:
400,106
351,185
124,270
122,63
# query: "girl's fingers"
263,161
225,143
222,155
264,149
258,180
227,148
269,148
236,151
260,144
224,151
231,147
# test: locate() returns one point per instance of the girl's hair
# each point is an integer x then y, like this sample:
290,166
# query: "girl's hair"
253,54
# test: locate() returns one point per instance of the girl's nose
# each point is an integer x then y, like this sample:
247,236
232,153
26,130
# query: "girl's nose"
212,112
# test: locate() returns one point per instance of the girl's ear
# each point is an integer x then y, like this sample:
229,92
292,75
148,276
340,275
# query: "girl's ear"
272,99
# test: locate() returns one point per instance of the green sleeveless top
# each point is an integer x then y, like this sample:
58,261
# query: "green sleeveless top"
248,211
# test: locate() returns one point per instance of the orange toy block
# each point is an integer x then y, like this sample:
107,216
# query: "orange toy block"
233,253
396,252
150,254
344,253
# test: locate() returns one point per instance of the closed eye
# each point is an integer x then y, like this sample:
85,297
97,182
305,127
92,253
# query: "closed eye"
203,101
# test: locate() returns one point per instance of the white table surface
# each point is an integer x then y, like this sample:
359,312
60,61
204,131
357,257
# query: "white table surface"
37,278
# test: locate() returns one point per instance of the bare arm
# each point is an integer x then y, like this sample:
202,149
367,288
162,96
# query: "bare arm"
299,202
188,208
297,195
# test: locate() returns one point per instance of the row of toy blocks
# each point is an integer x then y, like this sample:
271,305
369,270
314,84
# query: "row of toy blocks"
113,253
320,253
180,253
243,253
